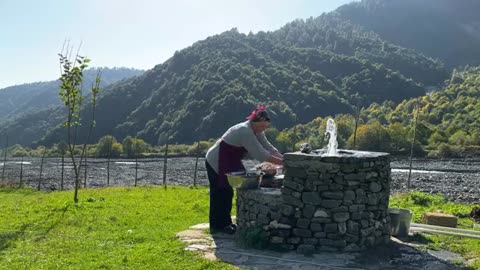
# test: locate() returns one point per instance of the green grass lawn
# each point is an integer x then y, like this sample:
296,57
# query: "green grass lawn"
110,228
421,203
134,228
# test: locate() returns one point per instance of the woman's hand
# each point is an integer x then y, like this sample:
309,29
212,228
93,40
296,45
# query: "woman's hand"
275,160
268,168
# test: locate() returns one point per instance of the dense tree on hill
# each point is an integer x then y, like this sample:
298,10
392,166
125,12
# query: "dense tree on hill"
448,122
203,89
336,34
444,29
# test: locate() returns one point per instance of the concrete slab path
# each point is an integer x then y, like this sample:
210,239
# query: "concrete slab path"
223,247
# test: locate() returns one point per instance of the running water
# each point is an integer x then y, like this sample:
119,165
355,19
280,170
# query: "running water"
332,140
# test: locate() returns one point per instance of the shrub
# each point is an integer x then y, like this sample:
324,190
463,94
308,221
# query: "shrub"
253,237
424,199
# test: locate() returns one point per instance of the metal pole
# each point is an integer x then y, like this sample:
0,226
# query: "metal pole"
21,173
427,230
196,164
41,169
357,119
136,161
85,174
294,141
63,168
413,143
108,160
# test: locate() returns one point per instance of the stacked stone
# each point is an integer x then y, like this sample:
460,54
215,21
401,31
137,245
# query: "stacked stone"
258,207
328,203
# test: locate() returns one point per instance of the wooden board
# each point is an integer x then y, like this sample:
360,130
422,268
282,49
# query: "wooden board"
440,219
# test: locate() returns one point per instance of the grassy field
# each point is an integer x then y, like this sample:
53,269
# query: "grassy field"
110,228
134,228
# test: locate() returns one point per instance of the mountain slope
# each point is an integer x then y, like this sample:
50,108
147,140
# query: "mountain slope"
33,97
444,29
215,83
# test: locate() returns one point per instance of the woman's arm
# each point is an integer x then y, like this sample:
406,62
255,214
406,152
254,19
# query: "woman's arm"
265,143
278,155
275,160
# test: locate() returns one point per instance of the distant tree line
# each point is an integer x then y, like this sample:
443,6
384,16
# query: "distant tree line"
108,146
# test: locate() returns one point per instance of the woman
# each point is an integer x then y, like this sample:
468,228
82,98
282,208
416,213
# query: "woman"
225,156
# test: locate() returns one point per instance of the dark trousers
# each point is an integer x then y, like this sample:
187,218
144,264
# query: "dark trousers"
220,201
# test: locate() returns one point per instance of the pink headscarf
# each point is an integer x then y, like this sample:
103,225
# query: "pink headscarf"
259,113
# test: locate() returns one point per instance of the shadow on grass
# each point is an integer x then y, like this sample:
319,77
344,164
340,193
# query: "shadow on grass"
8,237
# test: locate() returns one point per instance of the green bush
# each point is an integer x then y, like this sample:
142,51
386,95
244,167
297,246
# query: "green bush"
253,237
446,150
424,199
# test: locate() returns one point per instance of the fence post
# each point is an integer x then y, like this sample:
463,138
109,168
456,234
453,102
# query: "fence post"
413,143
294,141
136,161
41,168
108,160
21,173
63,167
4,159
85,172
196,164
165,166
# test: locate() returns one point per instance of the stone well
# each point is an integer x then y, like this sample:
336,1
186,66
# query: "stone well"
326,203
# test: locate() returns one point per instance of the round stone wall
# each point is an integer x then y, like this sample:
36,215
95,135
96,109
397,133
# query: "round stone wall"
327,203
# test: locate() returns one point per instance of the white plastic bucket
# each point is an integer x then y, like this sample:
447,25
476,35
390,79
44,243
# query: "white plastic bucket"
400,220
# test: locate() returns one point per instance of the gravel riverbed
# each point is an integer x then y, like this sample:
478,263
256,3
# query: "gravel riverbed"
456,179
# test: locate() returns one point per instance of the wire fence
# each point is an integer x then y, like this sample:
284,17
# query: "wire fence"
99,172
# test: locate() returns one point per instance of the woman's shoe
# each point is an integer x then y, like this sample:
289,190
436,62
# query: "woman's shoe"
229,229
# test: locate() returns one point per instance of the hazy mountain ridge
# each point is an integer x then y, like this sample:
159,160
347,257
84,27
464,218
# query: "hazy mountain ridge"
33,97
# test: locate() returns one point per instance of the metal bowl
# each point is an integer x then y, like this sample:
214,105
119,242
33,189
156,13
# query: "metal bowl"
242,180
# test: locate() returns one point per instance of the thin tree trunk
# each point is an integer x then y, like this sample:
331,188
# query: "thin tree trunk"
71,151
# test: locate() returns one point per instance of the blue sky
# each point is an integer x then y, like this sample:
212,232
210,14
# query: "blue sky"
133,33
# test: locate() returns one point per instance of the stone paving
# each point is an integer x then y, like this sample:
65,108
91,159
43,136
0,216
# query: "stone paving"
222,247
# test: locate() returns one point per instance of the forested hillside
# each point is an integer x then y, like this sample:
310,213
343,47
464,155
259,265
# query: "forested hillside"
448,123
444,29
215,83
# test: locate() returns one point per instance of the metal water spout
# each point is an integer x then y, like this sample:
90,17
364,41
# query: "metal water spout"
332,140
